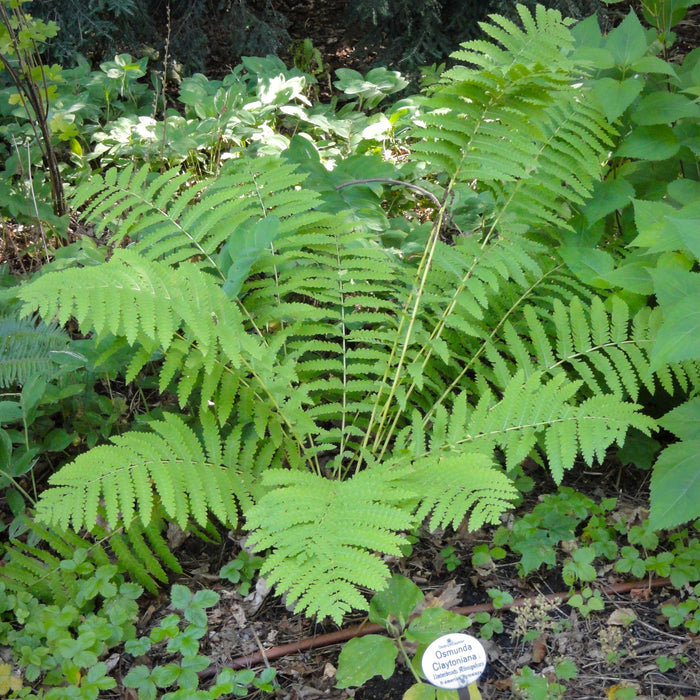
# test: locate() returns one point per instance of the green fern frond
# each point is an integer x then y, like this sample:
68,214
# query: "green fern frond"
515,124
323,548
171,463
453,485
584,341
131,297
39,568
531,411
28,347
172,219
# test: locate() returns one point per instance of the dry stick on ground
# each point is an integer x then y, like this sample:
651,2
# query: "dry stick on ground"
344,635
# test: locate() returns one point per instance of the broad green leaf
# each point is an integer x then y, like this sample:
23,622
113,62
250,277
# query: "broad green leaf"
433,623
590,265
243,249
657,142
634,277
673,285
655,231
586,33
678,338
684,421
396,602
10,412
639,449
5,450
687,223
420,691
365,657
616,96
675,485
664,107
653,64
607,197
684,190
628,41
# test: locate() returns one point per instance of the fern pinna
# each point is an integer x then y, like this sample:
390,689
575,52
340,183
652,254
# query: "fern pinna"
337,392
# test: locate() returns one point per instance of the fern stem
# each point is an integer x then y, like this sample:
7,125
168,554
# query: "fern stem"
428,352
414,299
343,424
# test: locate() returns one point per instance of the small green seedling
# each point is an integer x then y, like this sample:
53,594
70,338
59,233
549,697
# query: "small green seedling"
449,556
180,635
400,609
485,557
587,601
490,624
669,663
242,570
529,684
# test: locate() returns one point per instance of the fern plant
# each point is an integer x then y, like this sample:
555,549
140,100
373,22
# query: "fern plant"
333,391
140,551
27,349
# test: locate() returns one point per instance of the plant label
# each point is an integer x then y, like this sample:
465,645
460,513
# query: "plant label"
454,661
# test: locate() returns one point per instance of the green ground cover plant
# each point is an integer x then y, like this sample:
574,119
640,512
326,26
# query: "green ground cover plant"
365,318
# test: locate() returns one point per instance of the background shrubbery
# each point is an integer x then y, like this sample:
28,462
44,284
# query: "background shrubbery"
407,33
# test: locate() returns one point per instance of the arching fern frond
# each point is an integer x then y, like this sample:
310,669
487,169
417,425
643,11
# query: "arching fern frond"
453,486
138,467
143,301
533,410
138,551
510,120
588,342
172,219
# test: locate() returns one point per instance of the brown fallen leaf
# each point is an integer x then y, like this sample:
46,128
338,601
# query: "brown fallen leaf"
539,649
622,617
446,597
640,594
329,671
504,684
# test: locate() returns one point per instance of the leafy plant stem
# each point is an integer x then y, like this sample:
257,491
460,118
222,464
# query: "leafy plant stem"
407,659
26,86
18,486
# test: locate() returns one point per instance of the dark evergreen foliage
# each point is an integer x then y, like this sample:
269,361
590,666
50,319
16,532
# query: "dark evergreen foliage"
413,33
99,30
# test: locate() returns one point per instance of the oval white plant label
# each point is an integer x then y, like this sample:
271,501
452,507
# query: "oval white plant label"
454,661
